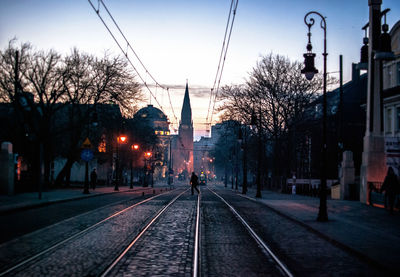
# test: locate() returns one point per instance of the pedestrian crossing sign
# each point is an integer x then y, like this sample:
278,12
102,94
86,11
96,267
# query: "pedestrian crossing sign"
86,143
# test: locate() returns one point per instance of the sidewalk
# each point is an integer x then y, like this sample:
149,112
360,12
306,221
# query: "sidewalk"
370,233
10,203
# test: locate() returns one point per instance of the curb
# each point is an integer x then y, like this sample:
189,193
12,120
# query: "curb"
28,206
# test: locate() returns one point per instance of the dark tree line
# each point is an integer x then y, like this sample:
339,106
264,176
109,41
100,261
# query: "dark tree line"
64,95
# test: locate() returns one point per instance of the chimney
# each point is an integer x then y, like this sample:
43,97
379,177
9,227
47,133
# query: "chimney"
355,72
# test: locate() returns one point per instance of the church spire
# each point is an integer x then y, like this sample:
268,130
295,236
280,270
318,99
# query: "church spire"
186,113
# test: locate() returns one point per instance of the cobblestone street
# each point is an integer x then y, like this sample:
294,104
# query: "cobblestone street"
155,235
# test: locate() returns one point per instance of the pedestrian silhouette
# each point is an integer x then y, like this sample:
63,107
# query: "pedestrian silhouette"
93,178
391,187
194,181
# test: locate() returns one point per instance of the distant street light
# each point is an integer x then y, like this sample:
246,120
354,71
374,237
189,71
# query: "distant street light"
135,148
148,167
309,71
120,139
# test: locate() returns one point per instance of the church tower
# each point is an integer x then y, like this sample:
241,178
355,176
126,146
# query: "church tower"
186,135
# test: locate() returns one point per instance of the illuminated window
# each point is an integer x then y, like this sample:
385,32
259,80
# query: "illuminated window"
161,132
167,133
156,132
102,145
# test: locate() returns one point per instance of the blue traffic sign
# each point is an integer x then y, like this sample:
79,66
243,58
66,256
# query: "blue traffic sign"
87,155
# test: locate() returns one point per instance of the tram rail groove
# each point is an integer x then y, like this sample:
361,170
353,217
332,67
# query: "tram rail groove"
148,225
196,250
76,235
263,245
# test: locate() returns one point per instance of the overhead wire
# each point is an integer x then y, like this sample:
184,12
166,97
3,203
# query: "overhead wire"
235,4
220,58
136,55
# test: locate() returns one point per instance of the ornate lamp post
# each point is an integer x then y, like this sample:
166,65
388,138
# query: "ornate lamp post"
309,71
120,139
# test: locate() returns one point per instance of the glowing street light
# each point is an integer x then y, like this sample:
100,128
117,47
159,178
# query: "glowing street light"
147,156
135,148
120,139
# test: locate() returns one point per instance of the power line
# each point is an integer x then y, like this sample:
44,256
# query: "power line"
134,52
225,52
220,58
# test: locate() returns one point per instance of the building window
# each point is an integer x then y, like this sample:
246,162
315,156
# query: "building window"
398,73
397,119
388,120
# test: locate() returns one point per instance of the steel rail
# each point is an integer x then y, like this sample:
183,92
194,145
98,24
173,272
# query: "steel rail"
196,240
114,263
75,235
281,265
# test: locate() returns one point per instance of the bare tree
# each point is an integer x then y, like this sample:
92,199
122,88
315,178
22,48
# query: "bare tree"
88,82
277,95
52,83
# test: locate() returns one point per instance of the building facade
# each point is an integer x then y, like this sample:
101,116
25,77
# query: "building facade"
391,103
159,161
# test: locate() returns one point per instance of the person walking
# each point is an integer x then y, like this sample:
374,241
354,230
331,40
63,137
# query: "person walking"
391,187
93,178
194,181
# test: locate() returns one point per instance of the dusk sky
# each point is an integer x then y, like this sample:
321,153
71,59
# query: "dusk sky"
179,40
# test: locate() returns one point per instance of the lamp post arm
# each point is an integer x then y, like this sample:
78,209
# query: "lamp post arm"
309,21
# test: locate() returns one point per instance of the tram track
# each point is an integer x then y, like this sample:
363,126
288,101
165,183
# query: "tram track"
87,230
142,232
159,239
266,249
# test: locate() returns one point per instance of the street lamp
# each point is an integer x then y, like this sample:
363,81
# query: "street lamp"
135,148
147,156
243,143
120,139
254,122
309,71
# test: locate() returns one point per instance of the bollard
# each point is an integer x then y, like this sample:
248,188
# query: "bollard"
154,192
142,193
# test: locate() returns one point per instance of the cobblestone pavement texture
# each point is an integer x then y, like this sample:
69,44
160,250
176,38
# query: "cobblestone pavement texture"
89,253
227,248
370,232
19,249
19,222
304,252
166,249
